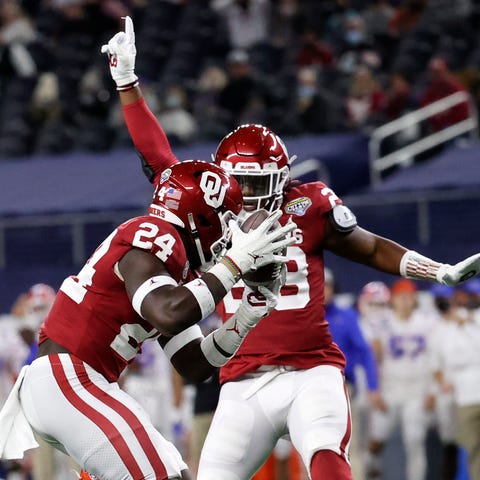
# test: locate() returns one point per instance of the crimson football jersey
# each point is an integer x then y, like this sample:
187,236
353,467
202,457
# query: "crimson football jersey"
92,316
296,332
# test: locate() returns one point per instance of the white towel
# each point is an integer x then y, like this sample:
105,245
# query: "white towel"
16,434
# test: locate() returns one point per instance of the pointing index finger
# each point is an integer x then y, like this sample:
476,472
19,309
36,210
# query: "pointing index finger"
129,31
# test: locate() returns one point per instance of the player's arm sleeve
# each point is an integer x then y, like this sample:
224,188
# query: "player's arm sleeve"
365,355
149,139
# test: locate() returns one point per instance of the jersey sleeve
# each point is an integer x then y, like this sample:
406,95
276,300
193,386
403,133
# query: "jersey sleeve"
161,239
149,139
322,198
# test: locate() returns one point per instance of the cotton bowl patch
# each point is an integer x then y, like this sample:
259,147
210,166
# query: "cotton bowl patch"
298,206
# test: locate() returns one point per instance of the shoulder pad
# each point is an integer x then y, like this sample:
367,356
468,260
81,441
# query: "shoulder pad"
342,218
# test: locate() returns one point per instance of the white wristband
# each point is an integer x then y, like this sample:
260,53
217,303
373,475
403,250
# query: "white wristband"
226,274
180,340
147,286
414,265
214,354
221,345
203,295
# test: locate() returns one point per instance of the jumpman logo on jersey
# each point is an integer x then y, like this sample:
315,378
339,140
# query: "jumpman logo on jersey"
234,328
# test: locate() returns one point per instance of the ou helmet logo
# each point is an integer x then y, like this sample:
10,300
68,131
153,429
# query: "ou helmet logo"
213,189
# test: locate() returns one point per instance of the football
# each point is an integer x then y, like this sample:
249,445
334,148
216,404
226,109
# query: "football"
263,275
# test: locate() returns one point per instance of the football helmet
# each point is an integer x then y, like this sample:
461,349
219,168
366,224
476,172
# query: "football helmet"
39,297
199,197
259,161
373,299
375,292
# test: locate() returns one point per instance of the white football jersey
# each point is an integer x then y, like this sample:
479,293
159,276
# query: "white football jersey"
406,350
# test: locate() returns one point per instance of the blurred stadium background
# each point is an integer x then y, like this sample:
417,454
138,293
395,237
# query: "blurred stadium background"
334,78
326,75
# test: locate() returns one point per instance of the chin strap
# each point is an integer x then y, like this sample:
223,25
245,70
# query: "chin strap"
196,239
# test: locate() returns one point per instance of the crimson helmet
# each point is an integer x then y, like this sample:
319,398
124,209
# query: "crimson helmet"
375,292
199,197
39,297
374,298
259,161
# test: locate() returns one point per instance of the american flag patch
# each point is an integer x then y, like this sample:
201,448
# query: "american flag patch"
172,193
173,204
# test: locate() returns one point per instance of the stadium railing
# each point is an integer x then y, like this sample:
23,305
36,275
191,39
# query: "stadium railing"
404,155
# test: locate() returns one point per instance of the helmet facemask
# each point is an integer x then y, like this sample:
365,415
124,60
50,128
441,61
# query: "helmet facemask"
261,188
218,247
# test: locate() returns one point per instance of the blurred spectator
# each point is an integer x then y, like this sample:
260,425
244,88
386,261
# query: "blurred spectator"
444,403
406,16
16,31
16,26
354,47
471,290
341,10
377,17
178,123
58,42
38,302
211,124
373,304
13,351
402,348
314,108
242,98
313,50
365,98
354,31
247,21
45,98
284,19
457,370
398,97
443,83
470,78
399,100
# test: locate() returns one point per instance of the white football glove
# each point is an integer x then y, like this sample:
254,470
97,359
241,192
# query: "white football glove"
121,53
222,344
253,249
256,304
454,274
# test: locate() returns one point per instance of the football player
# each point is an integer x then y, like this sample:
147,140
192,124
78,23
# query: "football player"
140,284
287,379
403,348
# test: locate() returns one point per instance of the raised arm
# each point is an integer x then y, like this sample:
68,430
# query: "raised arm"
147,134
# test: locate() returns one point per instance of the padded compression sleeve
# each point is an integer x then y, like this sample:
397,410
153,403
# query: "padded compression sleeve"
149,139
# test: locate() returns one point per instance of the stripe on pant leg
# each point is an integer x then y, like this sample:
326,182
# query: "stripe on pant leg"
102,422
130,418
